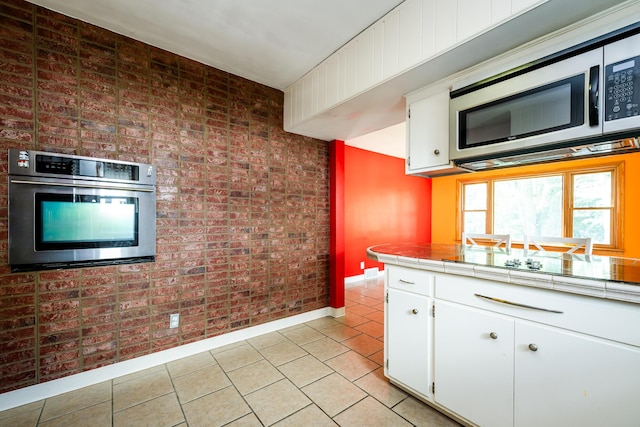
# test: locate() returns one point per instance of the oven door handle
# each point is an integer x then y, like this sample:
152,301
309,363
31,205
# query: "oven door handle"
98,186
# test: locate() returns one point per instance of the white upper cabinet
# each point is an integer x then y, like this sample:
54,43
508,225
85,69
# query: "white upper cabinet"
428,133
414,32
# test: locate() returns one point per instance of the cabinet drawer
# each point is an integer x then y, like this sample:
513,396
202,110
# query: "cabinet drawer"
409,279
613,320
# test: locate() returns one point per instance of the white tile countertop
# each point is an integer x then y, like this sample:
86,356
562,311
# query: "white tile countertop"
596,276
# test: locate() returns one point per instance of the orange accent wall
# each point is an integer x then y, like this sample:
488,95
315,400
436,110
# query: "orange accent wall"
444,193
382,205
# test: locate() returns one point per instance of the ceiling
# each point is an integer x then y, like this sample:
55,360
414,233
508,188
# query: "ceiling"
276,42
273,42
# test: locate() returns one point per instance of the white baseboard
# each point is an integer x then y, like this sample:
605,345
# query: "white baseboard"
12,399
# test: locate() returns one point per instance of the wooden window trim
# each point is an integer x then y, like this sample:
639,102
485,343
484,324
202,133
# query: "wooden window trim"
617,209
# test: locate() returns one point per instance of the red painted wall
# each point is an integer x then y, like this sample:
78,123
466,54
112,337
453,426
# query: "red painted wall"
382,205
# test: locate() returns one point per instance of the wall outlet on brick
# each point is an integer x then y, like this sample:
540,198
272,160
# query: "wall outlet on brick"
174,320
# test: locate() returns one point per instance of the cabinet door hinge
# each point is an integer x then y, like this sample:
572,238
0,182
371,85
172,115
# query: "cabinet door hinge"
387,297
433,311
409,161
409,113
387,363
433,387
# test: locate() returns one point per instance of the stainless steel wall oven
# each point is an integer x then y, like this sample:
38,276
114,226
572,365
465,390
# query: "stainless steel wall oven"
70,211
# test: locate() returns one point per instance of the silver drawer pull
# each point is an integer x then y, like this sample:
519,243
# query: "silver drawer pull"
493,336
533,347
503,301
414,311
406,282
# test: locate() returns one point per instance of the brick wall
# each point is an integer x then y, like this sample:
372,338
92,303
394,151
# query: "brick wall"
242,206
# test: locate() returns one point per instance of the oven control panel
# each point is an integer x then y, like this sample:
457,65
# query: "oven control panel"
37,163
85,168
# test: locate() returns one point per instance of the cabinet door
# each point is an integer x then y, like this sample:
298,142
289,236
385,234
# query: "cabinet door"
408,339
473,364
428,132
574,380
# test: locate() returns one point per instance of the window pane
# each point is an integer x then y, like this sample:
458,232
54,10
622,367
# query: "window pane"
592,190
532,205
475,197
594,224
475,222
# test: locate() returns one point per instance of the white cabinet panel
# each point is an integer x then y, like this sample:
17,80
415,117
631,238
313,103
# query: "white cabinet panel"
500,10
390,60
473,17
351,68
428,132
473,356
410,280
428,28
322,86
446,21
408,340
574,380
307,96
297,97
410,34
365,58
333,79
518,6
342,74
378,51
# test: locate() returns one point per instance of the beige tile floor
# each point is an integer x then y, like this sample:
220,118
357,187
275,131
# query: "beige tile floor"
325,372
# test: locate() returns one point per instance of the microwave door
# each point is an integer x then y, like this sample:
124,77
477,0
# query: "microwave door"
622,86
540,108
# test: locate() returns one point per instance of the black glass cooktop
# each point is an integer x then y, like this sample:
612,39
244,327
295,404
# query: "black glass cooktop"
572,265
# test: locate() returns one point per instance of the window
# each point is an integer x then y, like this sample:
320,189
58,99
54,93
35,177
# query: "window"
570,203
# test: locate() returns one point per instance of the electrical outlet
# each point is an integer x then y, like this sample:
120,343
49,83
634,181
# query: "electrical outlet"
174,320
361,265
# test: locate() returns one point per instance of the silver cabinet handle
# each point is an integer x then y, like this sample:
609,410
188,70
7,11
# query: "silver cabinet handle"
406,282
493,336
414,311
436,152
533,347
503,301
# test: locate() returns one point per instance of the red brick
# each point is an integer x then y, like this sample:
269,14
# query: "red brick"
240,202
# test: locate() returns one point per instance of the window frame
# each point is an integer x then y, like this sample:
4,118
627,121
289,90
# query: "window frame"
568,173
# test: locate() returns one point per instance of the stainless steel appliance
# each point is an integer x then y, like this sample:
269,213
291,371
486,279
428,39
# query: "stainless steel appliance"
71,211
580,102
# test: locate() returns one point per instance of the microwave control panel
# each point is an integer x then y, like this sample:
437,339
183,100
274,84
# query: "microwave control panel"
622,89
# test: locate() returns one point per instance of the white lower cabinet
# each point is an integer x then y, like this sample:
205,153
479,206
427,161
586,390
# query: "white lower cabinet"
409,347
574,380
474,364
408,328
497,364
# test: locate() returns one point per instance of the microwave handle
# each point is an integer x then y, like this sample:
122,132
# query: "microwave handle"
594,81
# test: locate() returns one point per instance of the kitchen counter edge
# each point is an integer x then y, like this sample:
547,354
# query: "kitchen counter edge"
618,291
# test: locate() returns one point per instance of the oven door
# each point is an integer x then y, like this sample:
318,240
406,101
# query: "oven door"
68,223
543,107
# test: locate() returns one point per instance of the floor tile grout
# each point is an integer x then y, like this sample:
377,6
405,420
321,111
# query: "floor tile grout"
287,357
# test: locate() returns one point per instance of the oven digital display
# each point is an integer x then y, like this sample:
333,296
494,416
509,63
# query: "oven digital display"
85,221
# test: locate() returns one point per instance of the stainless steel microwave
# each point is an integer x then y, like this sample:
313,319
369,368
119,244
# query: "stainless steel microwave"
587,96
